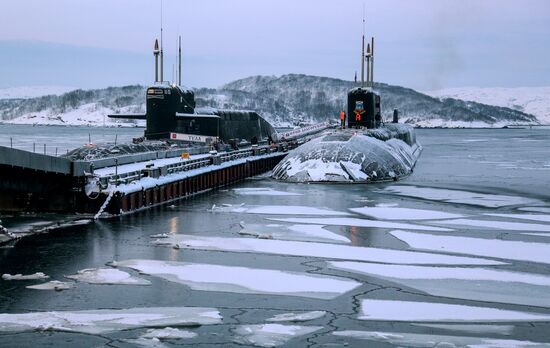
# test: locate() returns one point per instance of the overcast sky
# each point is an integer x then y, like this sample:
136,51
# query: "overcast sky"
425,45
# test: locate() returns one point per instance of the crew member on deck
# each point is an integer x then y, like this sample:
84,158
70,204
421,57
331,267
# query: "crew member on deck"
343,119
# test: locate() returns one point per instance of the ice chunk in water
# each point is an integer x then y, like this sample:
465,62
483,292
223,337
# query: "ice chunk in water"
360,223
461,197
293,232
107,276
501,225
270,335
263,191
536,209
243,279
534,217
504,249
52,285
389,310
37,275
168,333
298,316
109,320
423,340
473,328
392,213
279,210
322,250
477,284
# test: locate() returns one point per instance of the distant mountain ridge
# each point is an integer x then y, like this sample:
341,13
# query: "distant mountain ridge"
283,100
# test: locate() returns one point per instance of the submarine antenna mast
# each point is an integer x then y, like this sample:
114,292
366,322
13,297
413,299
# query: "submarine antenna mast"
372,62
161,48
363,51
156,54
179,62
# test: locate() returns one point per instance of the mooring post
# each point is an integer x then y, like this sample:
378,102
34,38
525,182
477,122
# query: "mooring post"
116,171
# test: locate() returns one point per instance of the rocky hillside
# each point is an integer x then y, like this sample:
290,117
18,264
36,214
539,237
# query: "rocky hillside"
287,99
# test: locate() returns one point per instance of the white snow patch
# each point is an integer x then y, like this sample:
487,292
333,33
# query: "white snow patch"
477,284
322,250
461,197
315,233
534,217
270,335
37,275
501,225
504,249
360,223
243,279
263,191
278,210
423,340
52,285
107,276
108,320
390,310
168,333
297,316
390,213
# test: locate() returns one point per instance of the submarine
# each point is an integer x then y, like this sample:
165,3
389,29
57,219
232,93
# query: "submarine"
365,149
171,114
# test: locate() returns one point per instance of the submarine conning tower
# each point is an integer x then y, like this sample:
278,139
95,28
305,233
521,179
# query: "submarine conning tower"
363,103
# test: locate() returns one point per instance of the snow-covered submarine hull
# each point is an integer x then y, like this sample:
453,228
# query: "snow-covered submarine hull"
353,156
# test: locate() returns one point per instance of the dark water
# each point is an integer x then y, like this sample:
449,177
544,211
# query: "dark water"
504,162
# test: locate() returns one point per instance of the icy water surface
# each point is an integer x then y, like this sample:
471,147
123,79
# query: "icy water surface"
455,255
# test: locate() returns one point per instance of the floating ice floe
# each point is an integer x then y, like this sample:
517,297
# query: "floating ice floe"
263,191
478,284
52,285
322,250
160,235
294,317
501,225
314,233
243,279
146,342
424,340
37,275
393,310
109,320
461,197
168,333
270,335
360,223
278,210
504,249
472,328
110,276
536,209
534,217
392,213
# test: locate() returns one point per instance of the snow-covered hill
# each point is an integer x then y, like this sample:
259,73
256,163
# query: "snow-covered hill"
283,100
531,100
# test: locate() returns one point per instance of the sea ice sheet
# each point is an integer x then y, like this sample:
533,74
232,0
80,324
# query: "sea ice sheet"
270,335
461,197
35,276
243,279
107,276
478,284
504,249
52,285
536,209
534,217
109,320
168,333
389,310
501,225
322,250
360,223
473,328
278,210
294,317
393,213
428,341
314,233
